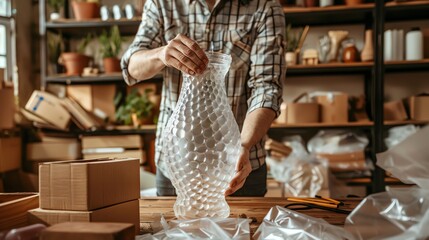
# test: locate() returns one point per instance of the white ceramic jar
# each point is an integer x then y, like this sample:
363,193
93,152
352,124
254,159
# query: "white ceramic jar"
414,45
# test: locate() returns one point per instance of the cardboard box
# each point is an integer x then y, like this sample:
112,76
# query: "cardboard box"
127,212
394,111
112,141
7,105
46,151
95,98
49,108
94,153
333,106
297,111
14,207
10,153
89,231
54,151
88,184
345,162
419,107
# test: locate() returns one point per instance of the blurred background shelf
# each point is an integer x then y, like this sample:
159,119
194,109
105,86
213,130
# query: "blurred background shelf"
74,28
329,68
97,79
398,66
339,15
359,125
407,10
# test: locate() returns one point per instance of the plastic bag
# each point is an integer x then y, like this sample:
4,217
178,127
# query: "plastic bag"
282,223
345,151
399,213
203,228
403,213
399,134
409,160
303,175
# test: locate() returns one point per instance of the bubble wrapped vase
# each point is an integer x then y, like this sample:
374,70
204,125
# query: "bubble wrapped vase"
201,143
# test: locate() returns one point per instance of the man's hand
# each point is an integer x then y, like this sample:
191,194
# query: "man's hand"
243,169
185,55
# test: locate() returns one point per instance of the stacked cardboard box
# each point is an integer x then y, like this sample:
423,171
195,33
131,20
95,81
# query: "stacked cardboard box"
100,190
130,146
7,105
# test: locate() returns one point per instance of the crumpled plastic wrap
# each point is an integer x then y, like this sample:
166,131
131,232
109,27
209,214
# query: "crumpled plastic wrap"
282,223
201,229
345,151
399,134
303,174
398,213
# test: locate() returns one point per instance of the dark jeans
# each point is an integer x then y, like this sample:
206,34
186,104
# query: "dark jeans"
254,186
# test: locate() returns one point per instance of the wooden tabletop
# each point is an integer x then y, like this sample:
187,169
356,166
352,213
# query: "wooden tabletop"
256,208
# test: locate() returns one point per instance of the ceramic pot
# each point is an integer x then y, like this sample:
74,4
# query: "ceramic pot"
85,10
111,65
367,53
350,53
290,58
311,3
74,62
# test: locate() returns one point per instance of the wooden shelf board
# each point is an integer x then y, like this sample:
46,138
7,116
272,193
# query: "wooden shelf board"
367,181
322,125
392,66
75,28
330,68
398,123
100,79
122,130
408,10
339,14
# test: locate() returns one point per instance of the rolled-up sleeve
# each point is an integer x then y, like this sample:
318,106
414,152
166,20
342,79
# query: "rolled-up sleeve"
267,67
148,37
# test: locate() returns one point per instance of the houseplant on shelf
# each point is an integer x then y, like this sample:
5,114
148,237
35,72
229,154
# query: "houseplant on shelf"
136,109
110,46
292,40
86,9
55,48
75,62
56,6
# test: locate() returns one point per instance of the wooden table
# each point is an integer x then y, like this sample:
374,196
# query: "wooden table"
151,209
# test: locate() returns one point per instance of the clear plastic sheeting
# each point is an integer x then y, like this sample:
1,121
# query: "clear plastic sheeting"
399,134
399,213
333,142
204,228
281,223
303,175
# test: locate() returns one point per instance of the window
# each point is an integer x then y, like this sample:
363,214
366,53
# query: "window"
7,40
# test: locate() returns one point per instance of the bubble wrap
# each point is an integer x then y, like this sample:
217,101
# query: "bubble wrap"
202,142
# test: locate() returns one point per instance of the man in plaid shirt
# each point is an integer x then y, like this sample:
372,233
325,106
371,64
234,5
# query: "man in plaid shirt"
173,37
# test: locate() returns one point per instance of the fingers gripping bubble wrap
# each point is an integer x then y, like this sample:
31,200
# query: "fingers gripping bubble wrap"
303,174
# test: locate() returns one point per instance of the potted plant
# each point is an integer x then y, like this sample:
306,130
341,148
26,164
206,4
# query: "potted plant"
292,40
86,9
136,109
55,48
110,45
56,6
75,62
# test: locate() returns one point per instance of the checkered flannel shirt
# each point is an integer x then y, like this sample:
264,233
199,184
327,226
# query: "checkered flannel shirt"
251,33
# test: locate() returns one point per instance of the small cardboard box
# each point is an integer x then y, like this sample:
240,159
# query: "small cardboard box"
54,151
127,212
104,153
88,184
345,162
10,153
419,107
333,106
85,230
394,111
7,106
14,207
49,108
297,112
95,98
122,141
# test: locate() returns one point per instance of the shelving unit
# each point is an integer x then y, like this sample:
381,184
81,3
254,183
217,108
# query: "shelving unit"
371,15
